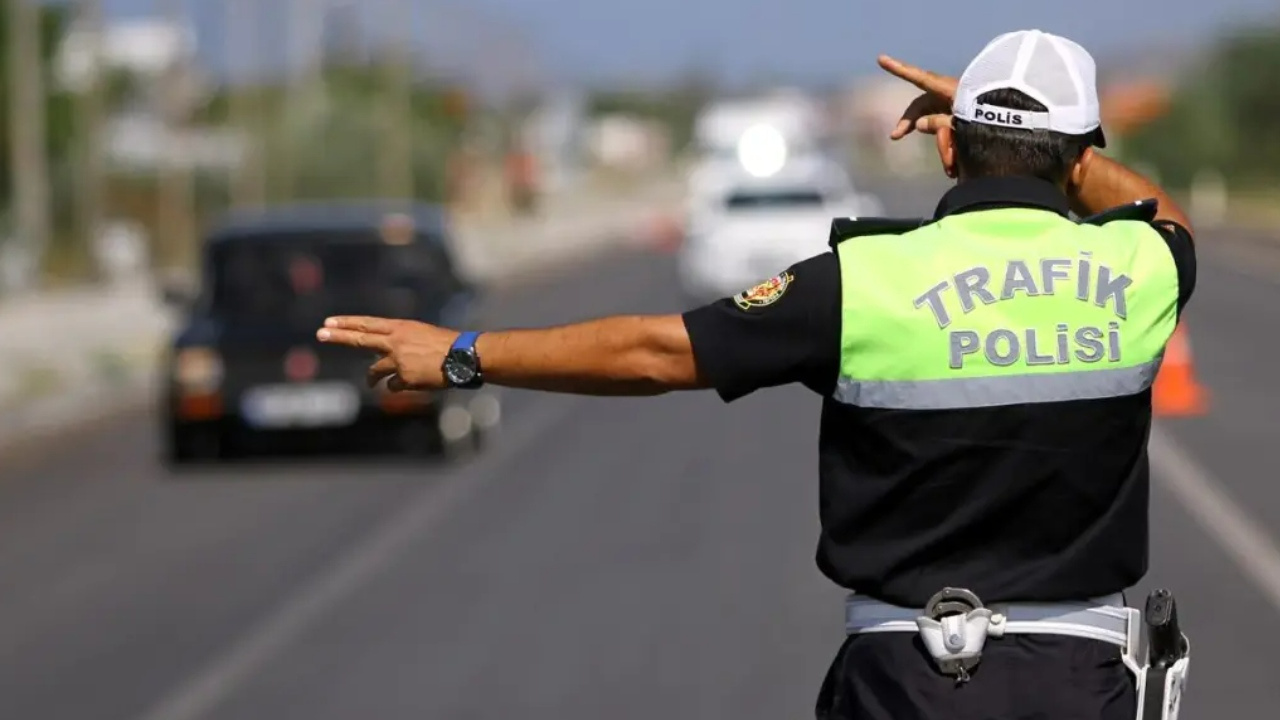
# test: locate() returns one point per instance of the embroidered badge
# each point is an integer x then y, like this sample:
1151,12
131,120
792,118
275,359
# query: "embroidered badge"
764,294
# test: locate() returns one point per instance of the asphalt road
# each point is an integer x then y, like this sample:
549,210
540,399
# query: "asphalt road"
637,558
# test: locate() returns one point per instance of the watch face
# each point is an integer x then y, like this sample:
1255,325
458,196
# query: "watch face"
460,368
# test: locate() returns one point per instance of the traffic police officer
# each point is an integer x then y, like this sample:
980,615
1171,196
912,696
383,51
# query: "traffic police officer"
987,380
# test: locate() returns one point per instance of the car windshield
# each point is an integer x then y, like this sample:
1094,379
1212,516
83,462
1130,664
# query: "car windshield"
793,198
300,278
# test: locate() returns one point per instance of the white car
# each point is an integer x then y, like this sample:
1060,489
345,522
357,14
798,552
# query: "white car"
743,229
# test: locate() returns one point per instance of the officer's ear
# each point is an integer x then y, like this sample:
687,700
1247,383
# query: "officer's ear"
1079,169
947,151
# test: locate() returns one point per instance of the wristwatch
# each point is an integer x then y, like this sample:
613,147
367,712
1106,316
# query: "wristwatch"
461,366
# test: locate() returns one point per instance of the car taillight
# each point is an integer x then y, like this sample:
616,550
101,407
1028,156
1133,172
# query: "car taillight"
301,365
198,370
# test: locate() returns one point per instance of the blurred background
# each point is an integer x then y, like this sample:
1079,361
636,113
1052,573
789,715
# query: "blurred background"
628,558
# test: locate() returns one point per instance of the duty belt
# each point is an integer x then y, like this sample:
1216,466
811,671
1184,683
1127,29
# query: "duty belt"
1105,619
954,627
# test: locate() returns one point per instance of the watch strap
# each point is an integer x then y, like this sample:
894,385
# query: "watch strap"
465,341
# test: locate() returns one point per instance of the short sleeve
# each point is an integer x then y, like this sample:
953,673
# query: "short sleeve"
1182,247
784,330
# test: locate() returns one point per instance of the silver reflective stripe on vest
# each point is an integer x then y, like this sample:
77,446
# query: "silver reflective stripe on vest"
955,393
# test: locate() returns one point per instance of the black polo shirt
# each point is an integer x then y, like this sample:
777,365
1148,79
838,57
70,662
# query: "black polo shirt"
1033,502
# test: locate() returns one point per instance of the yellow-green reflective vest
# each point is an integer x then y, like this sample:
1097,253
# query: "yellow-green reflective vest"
1001,307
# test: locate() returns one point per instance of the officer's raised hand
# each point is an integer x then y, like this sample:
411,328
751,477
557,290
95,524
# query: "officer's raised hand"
930,111
411,352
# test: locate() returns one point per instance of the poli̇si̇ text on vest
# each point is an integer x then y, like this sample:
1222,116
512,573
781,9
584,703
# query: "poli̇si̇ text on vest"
1089,281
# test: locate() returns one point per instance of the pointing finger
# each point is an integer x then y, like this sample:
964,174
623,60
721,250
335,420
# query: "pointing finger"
355,339
381,326
910,73
921,78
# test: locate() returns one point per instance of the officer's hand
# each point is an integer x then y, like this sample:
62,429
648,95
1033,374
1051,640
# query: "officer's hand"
411,352
931,110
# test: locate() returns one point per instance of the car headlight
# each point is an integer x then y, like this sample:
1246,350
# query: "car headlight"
198,369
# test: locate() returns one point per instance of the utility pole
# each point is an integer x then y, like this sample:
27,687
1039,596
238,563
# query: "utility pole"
249,187
395,166
29,163
176,220
91,173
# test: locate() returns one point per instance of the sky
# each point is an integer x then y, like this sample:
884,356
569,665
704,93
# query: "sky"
802,40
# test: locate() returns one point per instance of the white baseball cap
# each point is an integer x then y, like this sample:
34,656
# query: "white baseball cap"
1054,71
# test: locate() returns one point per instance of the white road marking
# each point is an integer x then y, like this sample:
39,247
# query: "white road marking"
1222,519
246,657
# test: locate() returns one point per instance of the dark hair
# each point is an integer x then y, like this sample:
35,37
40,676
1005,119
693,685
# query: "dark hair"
995,151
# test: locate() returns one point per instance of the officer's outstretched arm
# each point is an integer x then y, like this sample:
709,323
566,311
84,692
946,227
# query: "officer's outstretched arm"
623,355
1101,183
784,330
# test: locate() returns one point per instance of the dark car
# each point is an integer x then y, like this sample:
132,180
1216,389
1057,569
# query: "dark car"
245,370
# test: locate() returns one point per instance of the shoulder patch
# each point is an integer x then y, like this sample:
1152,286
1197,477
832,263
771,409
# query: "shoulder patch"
766,293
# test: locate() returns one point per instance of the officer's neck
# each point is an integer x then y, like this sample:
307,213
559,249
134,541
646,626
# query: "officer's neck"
962,177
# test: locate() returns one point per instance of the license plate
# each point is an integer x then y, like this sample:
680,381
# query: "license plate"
304,406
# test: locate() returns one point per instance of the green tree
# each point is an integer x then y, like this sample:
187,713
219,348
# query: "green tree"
1222,117
333,137
60,106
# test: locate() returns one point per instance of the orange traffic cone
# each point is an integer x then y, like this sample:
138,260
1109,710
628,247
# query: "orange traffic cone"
1176,392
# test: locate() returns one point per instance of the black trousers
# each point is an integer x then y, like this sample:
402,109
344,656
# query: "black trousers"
890,676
